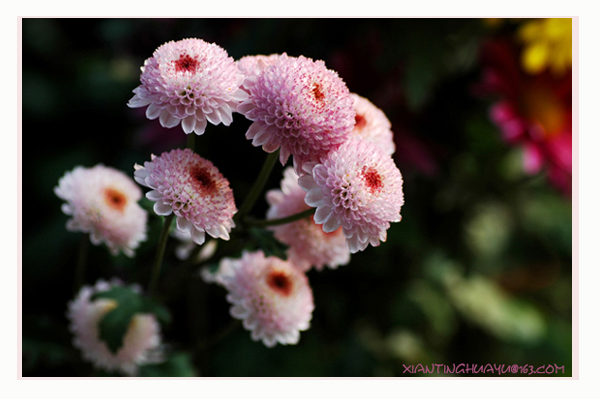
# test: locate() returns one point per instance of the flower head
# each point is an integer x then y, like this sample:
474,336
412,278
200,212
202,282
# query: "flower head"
104,203
358,187
272,297
193,188
299,106
372,124
308,244
192,82
141,343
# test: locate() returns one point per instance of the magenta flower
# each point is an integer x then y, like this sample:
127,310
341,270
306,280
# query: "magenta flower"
357,187
272,297
104,203
308,244
141,343
192,82
190,186
299,106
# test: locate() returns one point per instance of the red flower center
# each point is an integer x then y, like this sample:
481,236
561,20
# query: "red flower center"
280,282
202,180
115,199
361,122
372,179
316,90
185,63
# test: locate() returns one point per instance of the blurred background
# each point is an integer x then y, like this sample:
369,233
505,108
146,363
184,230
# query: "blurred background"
479,270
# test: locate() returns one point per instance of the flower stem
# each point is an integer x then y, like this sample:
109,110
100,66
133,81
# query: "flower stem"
277,222
160,252
258,186
84,244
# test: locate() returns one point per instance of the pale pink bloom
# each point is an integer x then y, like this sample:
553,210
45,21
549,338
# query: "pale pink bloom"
190,186
142,341
357,187
372,124
192,82
308,244
300,107
104,203
272,297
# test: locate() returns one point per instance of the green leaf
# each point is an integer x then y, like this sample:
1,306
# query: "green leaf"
119,294
162,314
114,325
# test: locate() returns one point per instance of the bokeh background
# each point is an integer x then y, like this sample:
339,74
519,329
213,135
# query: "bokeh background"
479,270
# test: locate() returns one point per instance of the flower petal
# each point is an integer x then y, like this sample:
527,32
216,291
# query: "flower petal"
162,209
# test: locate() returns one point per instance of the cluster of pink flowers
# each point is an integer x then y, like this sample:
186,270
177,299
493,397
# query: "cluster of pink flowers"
341,146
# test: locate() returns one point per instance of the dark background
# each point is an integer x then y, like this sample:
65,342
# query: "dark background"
478,271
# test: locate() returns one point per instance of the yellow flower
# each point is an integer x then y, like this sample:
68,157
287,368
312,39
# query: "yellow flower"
547,44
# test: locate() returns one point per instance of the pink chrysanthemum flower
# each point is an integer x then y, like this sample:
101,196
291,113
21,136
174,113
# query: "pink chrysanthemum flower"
193,188
357,187
252,65
104,203
372,124
300,106
142,341
272,297
192,82
308,244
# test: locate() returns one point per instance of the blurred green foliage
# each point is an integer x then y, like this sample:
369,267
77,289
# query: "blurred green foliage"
478,270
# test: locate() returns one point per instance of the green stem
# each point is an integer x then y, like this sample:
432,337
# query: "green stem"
258,186
191,142
277,222
84,245
160,252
